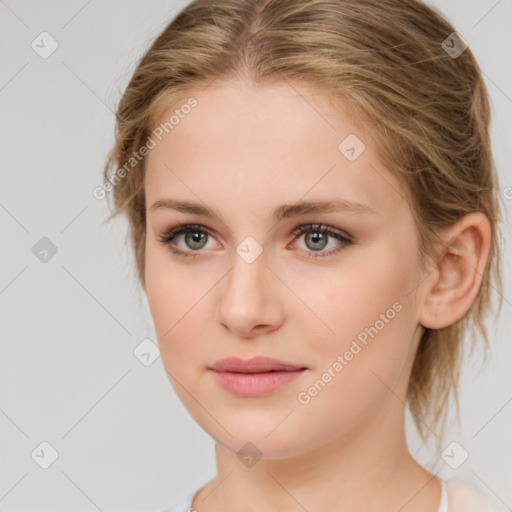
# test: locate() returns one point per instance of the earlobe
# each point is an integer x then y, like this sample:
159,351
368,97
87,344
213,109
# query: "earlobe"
462,257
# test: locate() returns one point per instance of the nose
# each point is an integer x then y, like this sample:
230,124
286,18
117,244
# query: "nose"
250,301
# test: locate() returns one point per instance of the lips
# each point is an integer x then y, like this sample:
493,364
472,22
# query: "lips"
254,365
255,377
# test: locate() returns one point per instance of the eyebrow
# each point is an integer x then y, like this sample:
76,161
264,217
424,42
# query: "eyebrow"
282,212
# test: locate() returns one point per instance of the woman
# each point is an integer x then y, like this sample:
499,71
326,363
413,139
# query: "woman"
313,208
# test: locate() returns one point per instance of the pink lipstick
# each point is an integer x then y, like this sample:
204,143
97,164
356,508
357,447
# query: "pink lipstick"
256,376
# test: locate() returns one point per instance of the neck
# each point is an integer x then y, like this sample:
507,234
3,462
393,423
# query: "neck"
367,468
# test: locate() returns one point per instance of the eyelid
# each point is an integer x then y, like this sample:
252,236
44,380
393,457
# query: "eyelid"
331,231
344,238
169,234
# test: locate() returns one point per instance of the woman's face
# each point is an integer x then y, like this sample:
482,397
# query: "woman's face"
246,283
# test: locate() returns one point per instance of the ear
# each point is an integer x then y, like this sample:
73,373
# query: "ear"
456,280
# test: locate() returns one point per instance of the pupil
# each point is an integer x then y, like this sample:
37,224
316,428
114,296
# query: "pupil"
195,238
317,237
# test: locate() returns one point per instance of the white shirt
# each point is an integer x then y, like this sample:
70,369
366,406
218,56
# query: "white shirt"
456,496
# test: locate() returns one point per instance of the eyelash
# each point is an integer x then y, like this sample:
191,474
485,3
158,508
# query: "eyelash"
167,238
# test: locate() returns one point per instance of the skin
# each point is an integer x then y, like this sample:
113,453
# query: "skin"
243,151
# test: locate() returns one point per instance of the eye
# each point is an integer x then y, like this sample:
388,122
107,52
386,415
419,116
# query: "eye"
196,238
317,238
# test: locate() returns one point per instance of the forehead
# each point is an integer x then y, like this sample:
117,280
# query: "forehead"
280,141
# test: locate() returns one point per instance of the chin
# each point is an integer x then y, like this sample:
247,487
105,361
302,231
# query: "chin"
258,446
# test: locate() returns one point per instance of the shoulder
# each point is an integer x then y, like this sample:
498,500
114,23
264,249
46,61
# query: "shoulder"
465,497
184,505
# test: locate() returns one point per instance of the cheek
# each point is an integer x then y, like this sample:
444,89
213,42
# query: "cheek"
370,321
338,303
159,291
354,374
174,299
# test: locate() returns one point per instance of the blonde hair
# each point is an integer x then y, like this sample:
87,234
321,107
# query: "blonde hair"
386,61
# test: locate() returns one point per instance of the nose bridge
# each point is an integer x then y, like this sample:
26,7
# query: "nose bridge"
247,277
246,298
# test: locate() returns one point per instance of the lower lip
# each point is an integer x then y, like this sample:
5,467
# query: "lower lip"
255,384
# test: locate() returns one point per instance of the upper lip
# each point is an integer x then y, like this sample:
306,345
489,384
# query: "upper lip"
253,365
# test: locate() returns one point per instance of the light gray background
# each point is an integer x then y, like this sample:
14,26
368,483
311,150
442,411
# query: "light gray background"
68,375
